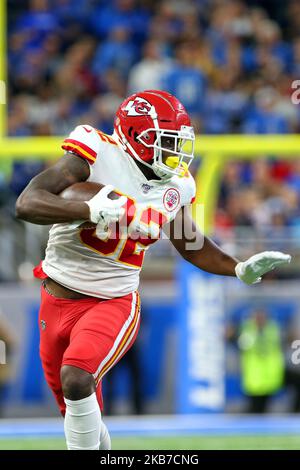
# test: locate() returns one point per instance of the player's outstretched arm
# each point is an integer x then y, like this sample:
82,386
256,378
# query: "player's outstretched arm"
39,203
205,254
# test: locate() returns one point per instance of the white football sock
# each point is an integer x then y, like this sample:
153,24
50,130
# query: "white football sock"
83,423
105,442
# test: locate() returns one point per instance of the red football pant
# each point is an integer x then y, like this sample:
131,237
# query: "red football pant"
90,333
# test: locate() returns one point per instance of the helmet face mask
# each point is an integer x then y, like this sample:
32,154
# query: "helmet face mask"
154,128
173,159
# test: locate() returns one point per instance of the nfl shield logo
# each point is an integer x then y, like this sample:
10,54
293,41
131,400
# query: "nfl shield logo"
43,324
146,188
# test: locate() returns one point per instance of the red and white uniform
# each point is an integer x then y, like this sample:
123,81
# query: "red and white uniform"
94,332
79,260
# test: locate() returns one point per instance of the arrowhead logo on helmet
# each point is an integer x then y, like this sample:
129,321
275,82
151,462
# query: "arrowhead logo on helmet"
138,107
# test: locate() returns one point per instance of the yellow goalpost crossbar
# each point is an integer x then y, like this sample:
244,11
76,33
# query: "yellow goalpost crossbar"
213,150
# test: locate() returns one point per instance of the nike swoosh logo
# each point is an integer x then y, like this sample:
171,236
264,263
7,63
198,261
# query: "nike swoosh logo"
87,130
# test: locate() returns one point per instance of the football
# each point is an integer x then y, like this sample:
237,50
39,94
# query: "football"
84,191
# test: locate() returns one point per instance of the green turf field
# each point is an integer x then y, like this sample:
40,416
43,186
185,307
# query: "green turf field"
168,443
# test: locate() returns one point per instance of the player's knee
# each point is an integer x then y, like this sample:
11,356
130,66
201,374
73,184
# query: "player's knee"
76,383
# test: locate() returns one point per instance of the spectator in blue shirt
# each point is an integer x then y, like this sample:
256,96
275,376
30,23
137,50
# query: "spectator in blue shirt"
187,82
120,14
117,52
263,118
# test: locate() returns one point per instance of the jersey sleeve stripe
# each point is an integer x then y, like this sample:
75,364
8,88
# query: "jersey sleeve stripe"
83,146
78,149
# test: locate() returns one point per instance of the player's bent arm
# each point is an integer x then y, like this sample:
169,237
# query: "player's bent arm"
205,254
40,204
198,249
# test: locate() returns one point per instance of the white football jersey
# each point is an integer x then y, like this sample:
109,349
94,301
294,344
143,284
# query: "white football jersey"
79,260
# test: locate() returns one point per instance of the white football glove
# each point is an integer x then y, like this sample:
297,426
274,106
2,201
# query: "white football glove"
105,211
251,270
140,229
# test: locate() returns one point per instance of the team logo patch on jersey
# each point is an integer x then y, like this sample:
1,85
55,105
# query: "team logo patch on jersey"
171,199
138,107
43,324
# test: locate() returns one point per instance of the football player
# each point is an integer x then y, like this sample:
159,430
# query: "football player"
90,308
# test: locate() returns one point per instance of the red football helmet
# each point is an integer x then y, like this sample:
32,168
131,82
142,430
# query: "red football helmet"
155,129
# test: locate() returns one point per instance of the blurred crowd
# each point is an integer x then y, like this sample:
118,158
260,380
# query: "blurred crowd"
261,198
231,62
